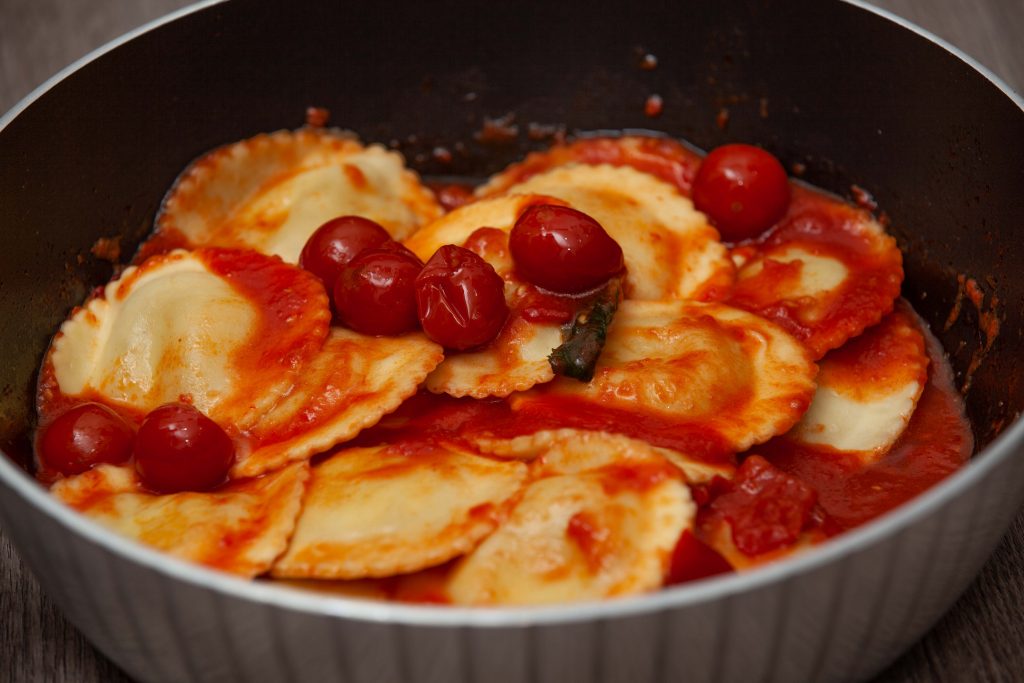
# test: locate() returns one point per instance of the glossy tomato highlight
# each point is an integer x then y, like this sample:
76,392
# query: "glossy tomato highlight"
336,243
85,436
563,250
375,293
460,299
743,189
180,449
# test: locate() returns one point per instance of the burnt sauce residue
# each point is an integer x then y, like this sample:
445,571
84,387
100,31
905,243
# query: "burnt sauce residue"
989,314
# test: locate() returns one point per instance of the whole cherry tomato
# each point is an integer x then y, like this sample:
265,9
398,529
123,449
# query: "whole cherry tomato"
180,449
563,250
336,243
460,299
376,293
85,436
743,189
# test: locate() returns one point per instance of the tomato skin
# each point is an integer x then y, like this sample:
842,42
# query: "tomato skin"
376,293
180,449
336,243
743,189
85,436
563,250
453,196
766,507
693,560
460,299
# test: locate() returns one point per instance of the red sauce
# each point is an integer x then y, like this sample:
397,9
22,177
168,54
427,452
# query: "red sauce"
662,157
823,226
590,537
693,559
355,176
653,106
285,295
936,443
107,248
722,118
317,117
638,477
428,416
765,507
553,412
544,307
452,195
435,417
881,359
161,242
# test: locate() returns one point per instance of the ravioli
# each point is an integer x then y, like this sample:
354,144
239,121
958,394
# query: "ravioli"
348,386
515,361
390,510
867,390
702,379
825,272
272,191
239,528
600,518
225,330
529,446
251,349
661,157
670,249
518,358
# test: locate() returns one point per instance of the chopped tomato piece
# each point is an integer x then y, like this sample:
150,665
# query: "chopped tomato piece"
766,508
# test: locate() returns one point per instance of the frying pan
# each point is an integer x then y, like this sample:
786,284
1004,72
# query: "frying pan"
849,95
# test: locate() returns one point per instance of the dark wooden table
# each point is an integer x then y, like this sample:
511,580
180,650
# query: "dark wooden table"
980,639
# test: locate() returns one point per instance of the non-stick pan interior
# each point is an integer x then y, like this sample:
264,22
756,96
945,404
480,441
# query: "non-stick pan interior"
829,87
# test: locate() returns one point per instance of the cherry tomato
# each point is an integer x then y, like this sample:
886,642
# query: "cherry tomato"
85,436
180,449
399,248
743,189
376,293
460,299
452,196
336,243
563,250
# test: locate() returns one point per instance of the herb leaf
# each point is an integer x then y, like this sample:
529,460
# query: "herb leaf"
577,356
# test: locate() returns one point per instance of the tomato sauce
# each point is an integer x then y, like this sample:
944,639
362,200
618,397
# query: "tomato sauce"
590,537
554,412
693,559
160,242
637,477
452,195
661,157
765,507
546,307
822,226
936,443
